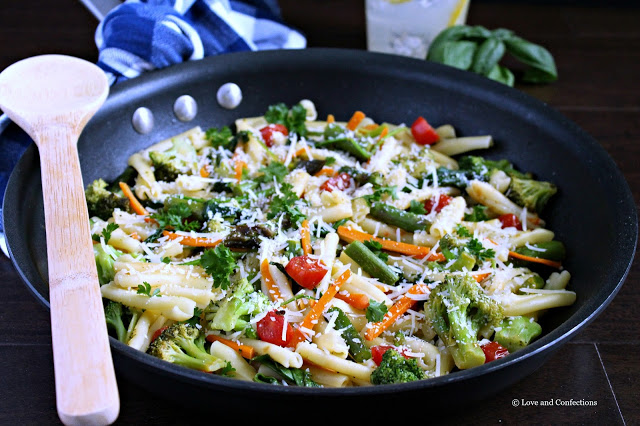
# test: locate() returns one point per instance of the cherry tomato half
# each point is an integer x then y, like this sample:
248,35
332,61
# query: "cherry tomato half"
510,220
379,350
493,351
270,329
437,203
341,182
306,271
268,131
423,133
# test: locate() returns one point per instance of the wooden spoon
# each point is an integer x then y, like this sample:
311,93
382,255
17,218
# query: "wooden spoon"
52,97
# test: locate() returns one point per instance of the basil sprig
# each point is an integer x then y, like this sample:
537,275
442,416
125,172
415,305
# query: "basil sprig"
479,50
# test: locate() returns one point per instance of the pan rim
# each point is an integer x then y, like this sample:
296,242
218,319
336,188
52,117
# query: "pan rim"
553,339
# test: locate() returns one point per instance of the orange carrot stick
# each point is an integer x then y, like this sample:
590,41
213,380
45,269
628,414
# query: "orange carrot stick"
204,172
186,240
330,119
326,171
398,308
239,167
135,204
351,235
552,263
481,277
357,300
246,351
272,287
316,311
355,119
305,237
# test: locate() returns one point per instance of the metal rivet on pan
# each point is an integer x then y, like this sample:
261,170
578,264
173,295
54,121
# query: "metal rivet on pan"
185,108
229,95
142,120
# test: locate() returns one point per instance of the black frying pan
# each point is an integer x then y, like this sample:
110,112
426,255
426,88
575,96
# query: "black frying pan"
593,214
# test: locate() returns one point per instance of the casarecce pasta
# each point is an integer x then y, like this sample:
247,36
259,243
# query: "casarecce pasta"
316,252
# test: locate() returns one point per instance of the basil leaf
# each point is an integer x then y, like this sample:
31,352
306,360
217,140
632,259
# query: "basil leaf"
502,74
457,32
459,54
535,56
488,55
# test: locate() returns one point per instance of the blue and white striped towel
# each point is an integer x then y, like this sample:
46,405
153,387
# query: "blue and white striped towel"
140,36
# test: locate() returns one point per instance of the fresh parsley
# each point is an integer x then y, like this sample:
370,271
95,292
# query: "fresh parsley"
195,319
274,170
106,232
379,192
285,204
417,207
293,119
478,214
296,376
376,248
145,289
220,263
475,247
175,217
376,311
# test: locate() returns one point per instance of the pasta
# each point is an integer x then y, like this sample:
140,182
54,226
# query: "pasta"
315,252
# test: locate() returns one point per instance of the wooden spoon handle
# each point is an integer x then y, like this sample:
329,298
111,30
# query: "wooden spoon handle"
86,389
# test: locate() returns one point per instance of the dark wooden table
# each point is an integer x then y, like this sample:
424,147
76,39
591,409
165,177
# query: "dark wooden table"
597,50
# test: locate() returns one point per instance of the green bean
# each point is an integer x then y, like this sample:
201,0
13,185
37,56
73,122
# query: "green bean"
405,220
371,263
357,349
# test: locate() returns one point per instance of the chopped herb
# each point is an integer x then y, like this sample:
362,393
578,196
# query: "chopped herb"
176,217
145,288
475,247
376,311
478,214
296,376
195,319
284,204
376,248
106,232
220,263
222,137
273,170
378,193
227,370
293,119
417,207
463,231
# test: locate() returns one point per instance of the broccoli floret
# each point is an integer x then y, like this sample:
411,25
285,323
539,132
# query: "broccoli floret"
395,368
113,313
105,256
234,312
515,333
457,309
529,193
179,159
101,202
482,168
183,344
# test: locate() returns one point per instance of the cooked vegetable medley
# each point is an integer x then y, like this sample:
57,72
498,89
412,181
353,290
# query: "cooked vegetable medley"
292,250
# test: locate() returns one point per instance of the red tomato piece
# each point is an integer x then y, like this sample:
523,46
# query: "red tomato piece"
510,220
379,350
493,351
437,203
423,133
342,181
306,271
268,131
157,333
270,329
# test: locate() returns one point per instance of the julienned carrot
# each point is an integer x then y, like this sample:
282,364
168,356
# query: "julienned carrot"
398,308
305,237
351,235
481,277
204,172
239,167
552,263
246,351
384,133
330,119
270,283
135,236
355,119
357,300
326,171
187,240
316,311
135,204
